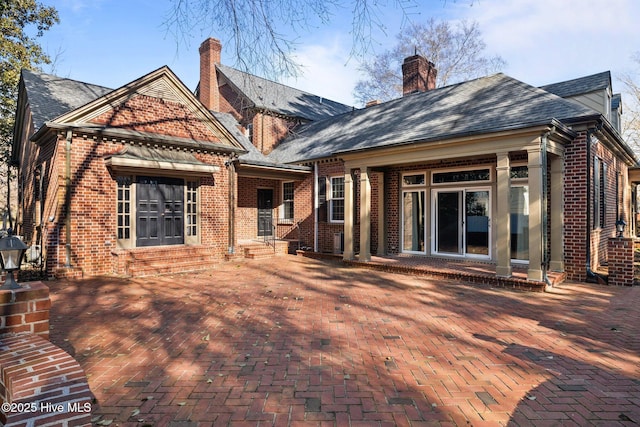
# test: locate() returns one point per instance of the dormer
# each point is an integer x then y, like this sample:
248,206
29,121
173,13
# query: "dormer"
591,91
616,112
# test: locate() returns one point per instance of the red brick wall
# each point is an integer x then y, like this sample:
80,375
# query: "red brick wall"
326,229
154,115
247,210
25,310
303,214
269,131
93,190
34,373
576,208
575,211
621,268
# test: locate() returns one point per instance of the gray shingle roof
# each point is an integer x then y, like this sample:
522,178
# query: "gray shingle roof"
489,104
580,85
253,155
52,96
280,98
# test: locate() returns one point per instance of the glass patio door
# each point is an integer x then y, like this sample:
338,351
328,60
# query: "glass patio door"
462,222
413,221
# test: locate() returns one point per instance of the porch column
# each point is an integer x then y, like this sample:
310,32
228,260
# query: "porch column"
502,219
349,210
382,222
365,214
535,214
556,262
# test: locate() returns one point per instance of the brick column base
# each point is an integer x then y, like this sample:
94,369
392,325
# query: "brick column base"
40,384
620,259
25,310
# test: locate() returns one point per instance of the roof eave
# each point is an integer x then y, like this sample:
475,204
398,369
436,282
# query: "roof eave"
522,128
281,172
131,135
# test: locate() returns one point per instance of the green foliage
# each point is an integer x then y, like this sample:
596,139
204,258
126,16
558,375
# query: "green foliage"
21,23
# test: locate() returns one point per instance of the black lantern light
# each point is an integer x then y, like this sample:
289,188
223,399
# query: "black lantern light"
11,253
620,225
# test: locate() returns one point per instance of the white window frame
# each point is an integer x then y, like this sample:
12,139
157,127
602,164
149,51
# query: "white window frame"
283,219
333,199
469,168
191,211
411,188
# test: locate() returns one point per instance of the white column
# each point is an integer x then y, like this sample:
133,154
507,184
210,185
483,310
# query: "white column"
556,262
382,229
348,253
502,219
535,214
365,214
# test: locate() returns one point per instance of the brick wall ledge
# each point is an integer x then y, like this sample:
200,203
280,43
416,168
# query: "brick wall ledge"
41,384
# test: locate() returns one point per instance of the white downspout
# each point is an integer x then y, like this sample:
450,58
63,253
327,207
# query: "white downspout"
315,207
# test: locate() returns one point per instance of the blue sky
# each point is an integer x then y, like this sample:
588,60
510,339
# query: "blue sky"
112,42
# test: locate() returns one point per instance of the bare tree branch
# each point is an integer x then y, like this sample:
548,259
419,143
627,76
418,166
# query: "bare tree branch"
455,49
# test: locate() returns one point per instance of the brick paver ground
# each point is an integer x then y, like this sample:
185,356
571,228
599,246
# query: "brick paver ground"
301,342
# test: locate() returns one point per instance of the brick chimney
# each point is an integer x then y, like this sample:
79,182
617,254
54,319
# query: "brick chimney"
210,51
418,75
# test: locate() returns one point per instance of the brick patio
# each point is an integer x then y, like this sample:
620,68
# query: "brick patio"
294,341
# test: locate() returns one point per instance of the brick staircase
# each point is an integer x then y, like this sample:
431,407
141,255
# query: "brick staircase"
257,249
164,260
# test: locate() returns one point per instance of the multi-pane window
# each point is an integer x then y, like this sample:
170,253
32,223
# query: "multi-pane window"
287,201
336,204
192,208
124,207
599,186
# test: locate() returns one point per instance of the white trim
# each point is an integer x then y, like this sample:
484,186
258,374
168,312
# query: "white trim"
462,191
281,210
121,164
490,168
424,213
330,199
421,173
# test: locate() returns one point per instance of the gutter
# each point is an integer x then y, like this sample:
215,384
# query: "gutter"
67,198
230,164
315,207
545,209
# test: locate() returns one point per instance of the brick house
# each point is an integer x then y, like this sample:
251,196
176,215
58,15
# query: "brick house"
120,181
491,170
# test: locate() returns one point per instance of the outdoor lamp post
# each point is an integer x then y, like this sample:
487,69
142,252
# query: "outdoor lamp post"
11,252
620,225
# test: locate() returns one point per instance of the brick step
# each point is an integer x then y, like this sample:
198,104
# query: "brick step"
260,250
139,269
200,254
167,260
173,258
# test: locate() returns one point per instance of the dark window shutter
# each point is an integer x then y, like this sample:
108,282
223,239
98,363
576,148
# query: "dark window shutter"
322,199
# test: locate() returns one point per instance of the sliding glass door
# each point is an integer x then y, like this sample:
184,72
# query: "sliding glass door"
462,222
